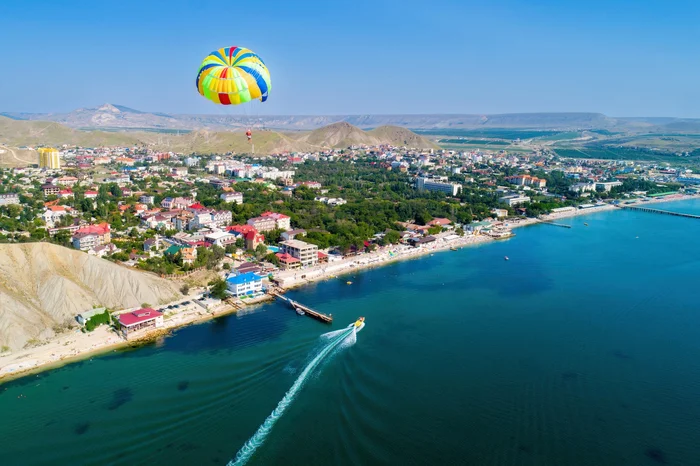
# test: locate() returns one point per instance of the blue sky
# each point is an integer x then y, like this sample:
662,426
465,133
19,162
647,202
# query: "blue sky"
621,58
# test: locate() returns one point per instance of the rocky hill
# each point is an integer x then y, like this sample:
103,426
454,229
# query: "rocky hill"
18,133
44,285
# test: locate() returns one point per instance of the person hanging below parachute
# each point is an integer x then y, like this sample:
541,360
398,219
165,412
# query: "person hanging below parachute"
233,76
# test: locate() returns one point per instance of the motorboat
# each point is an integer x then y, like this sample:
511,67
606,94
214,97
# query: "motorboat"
300,312
359,324
506,258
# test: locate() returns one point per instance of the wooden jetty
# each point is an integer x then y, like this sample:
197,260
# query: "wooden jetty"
658,211
563,225
307,310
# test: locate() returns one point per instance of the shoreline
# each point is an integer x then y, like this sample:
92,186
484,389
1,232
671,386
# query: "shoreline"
75,346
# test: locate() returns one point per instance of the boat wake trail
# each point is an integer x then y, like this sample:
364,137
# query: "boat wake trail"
335,340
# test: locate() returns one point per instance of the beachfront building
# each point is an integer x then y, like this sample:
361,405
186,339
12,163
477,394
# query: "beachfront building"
306,253
141,319
49,158
582,187
244,284
564,210
607,185
83,317
438,184
287,261
514,199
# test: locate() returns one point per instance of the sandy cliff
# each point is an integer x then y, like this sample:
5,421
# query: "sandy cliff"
43,285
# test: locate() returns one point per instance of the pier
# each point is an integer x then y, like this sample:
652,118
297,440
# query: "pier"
658,211
307,310
563,225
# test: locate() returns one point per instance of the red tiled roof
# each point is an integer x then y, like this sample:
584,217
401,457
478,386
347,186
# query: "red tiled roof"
100,229
286,258
196,206
136,317
242,229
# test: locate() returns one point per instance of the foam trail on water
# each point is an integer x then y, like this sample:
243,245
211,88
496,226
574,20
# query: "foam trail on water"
253,443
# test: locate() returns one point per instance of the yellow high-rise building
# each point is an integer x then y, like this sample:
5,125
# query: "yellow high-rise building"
49,158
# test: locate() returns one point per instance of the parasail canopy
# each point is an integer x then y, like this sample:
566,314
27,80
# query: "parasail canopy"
232,76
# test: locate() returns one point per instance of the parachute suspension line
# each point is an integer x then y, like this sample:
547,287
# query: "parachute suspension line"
251,75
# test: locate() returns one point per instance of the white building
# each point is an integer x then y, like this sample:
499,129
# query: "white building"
243,284
306,253
582,187
439,184
10,198
607,185
232,197
514,200
220,238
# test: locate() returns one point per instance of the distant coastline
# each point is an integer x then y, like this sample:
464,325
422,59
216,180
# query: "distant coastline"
76,346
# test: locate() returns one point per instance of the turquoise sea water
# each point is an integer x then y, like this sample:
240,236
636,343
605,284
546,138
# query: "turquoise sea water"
582,349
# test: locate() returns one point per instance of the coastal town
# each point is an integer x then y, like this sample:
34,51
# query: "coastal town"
254,226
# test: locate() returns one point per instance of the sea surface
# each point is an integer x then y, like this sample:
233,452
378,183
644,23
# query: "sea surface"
582,349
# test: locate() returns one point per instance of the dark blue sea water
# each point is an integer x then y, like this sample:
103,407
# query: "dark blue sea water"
582,349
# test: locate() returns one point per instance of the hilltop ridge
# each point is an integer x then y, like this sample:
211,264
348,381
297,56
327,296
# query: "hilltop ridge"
337,135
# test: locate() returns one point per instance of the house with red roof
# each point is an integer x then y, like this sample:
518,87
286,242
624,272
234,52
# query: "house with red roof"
287,261
253,239
91,236
141,319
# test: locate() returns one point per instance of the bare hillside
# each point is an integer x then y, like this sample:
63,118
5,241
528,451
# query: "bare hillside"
398,136
342,134
43,285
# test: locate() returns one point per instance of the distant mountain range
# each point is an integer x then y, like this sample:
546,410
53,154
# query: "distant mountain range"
117,117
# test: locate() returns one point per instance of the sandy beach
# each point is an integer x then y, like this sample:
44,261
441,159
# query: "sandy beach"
76,345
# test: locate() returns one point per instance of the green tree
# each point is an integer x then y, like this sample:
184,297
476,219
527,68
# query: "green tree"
260,251
391,237
272,259
217,288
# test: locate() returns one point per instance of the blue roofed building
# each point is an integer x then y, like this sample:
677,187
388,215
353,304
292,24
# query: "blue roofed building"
244,284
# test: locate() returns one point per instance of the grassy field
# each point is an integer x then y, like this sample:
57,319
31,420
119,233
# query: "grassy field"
491,133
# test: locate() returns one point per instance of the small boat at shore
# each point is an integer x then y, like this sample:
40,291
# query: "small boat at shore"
348,283
453,248
300,312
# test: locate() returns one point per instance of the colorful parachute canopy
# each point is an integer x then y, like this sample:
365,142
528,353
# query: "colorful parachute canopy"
232,76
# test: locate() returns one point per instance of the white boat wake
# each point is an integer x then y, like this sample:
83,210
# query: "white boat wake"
336,340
